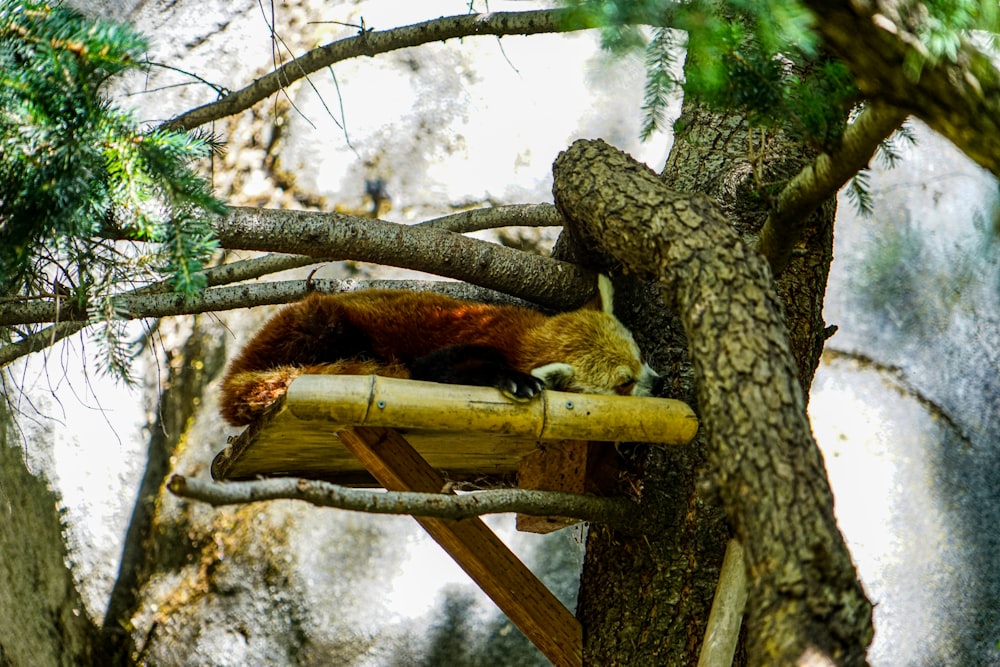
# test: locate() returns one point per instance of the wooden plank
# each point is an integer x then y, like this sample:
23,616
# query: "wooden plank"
487,560
568,466
280,444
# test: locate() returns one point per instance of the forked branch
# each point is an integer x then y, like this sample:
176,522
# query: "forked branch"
957,96
822,179
804,593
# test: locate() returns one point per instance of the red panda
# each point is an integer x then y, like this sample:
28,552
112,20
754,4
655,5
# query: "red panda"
429,336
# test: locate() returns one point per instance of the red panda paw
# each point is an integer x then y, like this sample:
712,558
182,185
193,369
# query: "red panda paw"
518,386
478,365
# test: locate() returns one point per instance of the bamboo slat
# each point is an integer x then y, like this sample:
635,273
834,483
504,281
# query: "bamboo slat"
463,431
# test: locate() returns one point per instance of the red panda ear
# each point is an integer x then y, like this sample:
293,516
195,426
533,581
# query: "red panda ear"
607,292
604,299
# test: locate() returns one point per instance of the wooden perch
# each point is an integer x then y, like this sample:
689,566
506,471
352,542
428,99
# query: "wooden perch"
405,434
462,431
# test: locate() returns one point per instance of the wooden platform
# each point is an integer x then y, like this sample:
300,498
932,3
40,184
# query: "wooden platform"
405,435
463,432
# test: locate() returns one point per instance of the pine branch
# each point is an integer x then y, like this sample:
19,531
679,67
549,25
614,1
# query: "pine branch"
372,42
619,512
822,179
72,159
660,82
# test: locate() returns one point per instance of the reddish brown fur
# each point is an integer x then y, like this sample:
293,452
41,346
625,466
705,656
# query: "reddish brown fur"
399,326
384,331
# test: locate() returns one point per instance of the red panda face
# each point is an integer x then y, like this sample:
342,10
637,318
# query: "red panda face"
591,352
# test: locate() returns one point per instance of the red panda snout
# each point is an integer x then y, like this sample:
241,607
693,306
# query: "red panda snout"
649,382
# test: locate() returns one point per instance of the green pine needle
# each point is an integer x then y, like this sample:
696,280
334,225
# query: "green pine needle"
77,172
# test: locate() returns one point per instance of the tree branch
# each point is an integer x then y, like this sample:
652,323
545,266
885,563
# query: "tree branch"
822,179
958,98
320,236
38,341
372,42
548,282
515,215
69,320
897,376
250,269
519,215
618,511
138,305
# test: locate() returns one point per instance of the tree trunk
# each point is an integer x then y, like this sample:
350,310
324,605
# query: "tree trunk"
644,598
727,174
42,618
761,460
190,366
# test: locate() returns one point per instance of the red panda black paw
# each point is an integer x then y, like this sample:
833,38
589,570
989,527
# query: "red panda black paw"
477,365
519,386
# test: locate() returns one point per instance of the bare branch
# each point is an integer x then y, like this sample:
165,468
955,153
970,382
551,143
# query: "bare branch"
38,341
249,269
520,215
822,179
321,236
372,42
618,511
545,281
896,376
138,305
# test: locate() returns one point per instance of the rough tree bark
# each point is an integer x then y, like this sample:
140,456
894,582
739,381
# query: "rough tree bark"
679,565
804,595
727,174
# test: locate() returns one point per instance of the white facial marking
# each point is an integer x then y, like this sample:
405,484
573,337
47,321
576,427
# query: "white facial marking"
555,376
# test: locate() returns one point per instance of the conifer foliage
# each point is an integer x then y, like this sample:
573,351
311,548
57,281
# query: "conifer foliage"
89,201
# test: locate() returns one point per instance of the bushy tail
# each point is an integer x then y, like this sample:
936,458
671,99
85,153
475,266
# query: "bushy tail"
247,395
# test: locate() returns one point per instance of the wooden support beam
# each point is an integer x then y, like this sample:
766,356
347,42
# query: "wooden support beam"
500,573
570,466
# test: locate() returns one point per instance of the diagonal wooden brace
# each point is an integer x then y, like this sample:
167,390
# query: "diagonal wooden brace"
477,550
